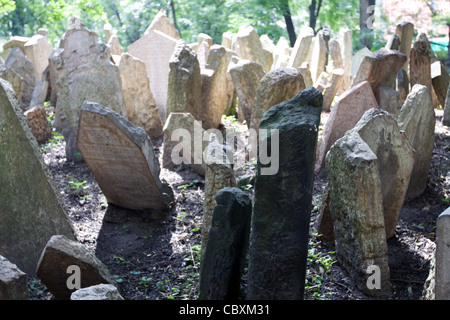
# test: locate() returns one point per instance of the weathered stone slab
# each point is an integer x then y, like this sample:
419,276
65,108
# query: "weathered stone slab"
332,88
184,136
393,42
185,82
358,59
389,100
417,118
121,157
345,41
246,76
356,207
379,130
300,50
275,87
97,292
346,112
440,80
446,118
30,209
13,281
380,68
279,237
442,278
37,119
282,53
161,23
318,56
57,260
402,84
38,50
16,81
86,74
22,66
139,102
224,256
247,46
155,48
405,32
420,63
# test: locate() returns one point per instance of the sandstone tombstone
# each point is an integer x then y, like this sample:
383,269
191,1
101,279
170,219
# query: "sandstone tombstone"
59,256
37,119
121,157
379,130
183,135
115,47
335,60
22,66
224,256
30,212
219,174
140,105
246,76
440,80
345,41
442,276
14,41
402,84
227,39
345,114
247,46
301,47
204,37
279,238
405,32
97,292
38,50
356,207
55,63
331,90
358,59
393,42
275,87
161,23
202,54
155,48
380,68
185,82
281,55
85,74
420,63
266,43
14,79
417,119
13,281
318,56
389,100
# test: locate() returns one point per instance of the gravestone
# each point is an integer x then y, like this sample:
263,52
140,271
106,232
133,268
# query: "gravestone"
115,47
300,50
184,136
345,41
14,79
13,281
393,42
246,76
356,207
446,118
37,119
219,174
417,119
281,55
402,84
55,63
335,60
162,23
85,74
223,261
358,59
23,67
185,82
405,32
247,46
266,43
420,63
318,56
389,100
442,277
275,87
202,54
380,68
227,39
59,255
155,48
279,237
440,80
204,37
120,155
30,211
38,50
214,87
332,88
140,105
345,114
379,130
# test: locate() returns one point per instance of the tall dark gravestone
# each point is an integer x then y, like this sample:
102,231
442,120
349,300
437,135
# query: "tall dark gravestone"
282,207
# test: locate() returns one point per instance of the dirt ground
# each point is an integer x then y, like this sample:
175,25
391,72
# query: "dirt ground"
154,258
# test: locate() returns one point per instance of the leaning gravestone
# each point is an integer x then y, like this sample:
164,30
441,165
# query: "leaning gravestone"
155,48
417,119
389,100
405,32
446,119
86,74
224,256
140,105
358,58
121,157
420,63
356,207
346,112
12,77
185,82
275,87
299,53
282,205
30,210
318,56
440,80
379,130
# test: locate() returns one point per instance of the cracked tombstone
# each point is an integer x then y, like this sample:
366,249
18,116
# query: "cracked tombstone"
279,237
120,155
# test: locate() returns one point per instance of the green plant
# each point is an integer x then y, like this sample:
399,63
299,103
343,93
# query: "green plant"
121,260
193,183
54,141
76,187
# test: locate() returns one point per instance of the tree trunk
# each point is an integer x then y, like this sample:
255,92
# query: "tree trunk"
364,25
172,7
284,4
314,13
